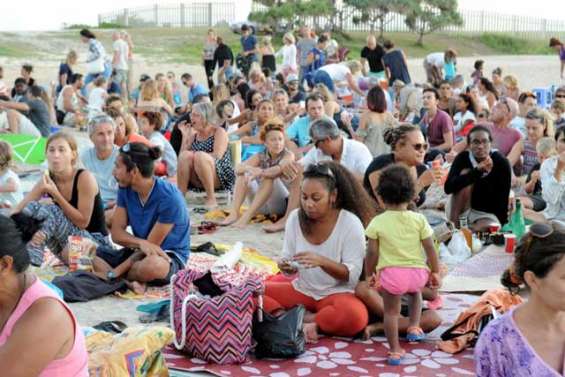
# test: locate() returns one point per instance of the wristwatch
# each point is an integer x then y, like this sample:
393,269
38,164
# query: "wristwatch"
110,275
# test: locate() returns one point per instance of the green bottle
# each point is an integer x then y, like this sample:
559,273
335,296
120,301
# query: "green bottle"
517,224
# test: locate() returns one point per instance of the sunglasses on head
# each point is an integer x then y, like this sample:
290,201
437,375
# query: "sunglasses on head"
539,231
322,169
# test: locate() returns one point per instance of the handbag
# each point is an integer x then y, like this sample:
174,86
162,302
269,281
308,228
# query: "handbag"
96,66
215,329
279,336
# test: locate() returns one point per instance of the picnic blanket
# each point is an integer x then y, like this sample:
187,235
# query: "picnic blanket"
333,356
479,273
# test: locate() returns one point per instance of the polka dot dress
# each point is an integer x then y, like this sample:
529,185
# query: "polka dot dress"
224,168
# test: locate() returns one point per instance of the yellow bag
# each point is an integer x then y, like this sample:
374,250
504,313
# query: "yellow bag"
136,352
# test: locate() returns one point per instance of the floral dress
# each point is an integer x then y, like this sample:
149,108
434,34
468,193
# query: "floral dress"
224,168
502,350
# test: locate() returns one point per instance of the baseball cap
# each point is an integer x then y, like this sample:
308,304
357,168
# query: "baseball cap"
291,77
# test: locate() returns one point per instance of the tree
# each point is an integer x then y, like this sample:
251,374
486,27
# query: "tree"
426,16
376,12
273,12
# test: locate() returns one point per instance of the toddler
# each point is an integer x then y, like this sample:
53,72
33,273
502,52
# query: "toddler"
10,187
405,255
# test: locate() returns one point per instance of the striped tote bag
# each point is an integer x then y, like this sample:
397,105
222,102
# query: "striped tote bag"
216,329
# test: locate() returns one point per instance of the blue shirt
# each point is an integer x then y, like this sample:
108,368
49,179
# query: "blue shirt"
164,205
319,59
248,43
299,131
196,90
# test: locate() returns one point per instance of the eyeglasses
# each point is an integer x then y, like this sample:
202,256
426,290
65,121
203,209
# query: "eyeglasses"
477,142
317,142
560,96
420,146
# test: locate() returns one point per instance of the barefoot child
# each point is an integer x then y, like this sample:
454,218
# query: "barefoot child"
401,266
10,187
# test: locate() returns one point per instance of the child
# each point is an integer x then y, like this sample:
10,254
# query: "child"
478,73
97,96
546,148
401,267
558,110
268,55
10,187
150,123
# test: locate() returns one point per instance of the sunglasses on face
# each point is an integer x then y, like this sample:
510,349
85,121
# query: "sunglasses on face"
317,142
560,96
420,146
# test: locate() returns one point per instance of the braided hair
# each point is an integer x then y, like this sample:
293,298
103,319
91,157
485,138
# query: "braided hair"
393,135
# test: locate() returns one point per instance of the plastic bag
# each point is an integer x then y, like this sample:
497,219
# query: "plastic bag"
457,250
281,336
81,253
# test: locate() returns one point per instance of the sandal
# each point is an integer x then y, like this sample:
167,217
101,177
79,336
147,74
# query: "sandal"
394,358
111,326
415,334
207,227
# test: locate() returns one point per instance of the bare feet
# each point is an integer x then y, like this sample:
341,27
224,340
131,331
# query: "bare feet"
241,223
373,329
232,218
276,227
309,317
211,203
137,287
310,332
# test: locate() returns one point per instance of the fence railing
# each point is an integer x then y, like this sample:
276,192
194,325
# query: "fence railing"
213,13
179,15
474,22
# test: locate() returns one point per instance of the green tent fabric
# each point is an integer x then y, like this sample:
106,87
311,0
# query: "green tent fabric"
27,149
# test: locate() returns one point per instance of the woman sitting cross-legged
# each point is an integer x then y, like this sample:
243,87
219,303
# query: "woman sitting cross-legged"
74,207
205,160
259,177
324,244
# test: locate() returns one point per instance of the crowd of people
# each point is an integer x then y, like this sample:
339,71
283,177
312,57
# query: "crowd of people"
341,149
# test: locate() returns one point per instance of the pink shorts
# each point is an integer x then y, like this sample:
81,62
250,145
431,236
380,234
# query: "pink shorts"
401,280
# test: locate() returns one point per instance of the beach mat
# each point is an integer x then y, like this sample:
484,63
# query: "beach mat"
346,357
479,273
338,357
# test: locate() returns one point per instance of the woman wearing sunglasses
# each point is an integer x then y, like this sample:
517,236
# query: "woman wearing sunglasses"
479,182
324,244
528,339
409,148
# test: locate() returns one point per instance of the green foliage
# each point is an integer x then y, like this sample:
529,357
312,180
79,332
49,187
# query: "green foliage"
293,12
376,12
78,26
426,16
513,45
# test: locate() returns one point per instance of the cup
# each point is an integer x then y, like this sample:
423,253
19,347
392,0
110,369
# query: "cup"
509,243
494,228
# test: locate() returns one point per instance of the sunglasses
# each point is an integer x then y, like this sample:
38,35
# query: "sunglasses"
534,115
317,142
539,231
321,169
420,146
560,96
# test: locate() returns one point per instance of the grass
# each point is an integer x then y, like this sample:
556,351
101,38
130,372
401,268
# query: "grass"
513,45
178,45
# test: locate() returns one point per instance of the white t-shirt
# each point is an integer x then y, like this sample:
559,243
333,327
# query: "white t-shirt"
122,47
13,198
288,53
346,245
460,119
338,72
356,156
97,98
26,126
436,58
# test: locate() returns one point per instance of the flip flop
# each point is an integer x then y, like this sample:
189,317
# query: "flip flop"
415,334
111,326
394,358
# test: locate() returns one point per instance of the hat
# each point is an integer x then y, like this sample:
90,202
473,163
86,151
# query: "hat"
291,77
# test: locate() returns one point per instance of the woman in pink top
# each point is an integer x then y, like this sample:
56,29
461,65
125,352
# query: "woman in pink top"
39,335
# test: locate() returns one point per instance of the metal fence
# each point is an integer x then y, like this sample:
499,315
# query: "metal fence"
179,15
214,13
474,22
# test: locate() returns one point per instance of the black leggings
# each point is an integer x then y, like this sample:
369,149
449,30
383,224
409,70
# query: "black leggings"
209,68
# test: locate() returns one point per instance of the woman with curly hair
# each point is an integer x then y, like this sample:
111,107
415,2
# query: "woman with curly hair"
528,339
324,245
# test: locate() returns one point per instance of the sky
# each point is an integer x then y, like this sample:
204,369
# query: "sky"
50,15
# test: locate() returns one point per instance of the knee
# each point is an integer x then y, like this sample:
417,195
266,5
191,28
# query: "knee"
357,317
362,291
186,157
202,158
430,321
150,268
